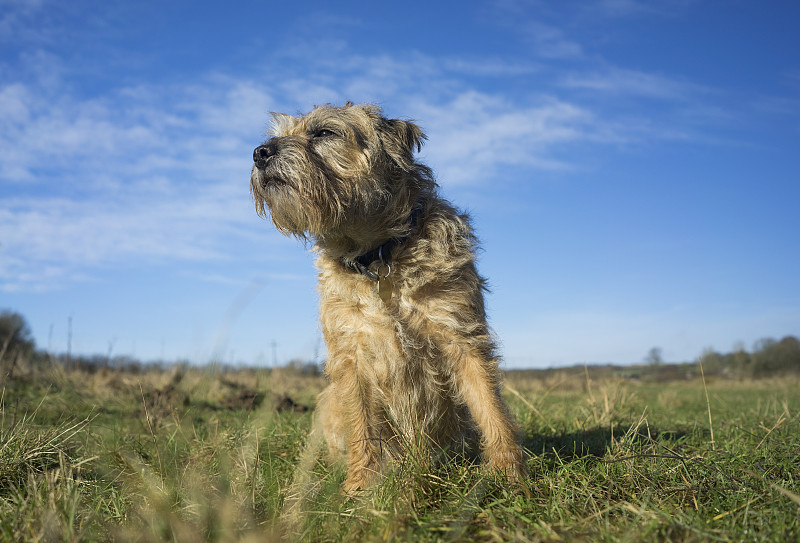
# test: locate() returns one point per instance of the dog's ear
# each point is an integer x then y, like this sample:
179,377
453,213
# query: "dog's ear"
400,140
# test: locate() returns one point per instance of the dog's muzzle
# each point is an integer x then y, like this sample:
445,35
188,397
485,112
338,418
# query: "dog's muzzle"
263,153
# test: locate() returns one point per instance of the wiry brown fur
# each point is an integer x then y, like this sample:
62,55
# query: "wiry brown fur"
422,368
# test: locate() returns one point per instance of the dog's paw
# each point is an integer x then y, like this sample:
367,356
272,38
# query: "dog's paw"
510,463
357,481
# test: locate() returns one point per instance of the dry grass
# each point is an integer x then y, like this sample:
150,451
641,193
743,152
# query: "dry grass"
192,454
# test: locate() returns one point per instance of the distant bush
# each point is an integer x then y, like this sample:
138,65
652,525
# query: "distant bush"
15,335
769,357
773,356
16,342
303,367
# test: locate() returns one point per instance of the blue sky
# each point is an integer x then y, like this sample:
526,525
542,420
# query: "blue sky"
631,167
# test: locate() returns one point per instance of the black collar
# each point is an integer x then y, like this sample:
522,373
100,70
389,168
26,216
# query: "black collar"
382,253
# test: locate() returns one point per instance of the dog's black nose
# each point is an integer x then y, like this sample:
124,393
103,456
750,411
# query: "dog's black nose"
262,153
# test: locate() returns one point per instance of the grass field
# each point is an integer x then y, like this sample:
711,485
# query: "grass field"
193,454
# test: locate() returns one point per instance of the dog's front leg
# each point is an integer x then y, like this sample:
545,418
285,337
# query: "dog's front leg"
477,380
360,417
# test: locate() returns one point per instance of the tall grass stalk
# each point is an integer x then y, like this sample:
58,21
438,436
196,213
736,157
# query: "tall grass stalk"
708,404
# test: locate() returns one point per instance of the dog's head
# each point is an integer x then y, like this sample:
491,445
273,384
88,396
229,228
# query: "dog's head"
339,172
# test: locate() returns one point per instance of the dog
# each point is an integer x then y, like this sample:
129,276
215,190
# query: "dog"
411,360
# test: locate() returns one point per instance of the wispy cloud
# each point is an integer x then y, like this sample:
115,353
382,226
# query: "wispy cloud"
47,240
528,21
619,81
550,42
160,170
474,133
630,8
145,173
16,18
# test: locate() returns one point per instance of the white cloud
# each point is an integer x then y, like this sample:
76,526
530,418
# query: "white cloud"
475,133
16,18
549,42
490,67
527,18
160,170
141,174
472,132
620,81
68,235
629,8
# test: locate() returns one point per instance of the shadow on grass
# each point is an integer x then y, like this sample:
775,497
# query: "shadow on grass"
593,443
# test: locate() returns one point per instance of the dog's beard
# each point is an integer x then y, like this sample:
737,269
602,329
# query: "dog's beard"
294,210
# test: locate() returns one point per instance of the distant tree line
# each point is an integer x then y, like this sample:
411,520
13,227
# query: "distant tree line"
18,351
769,357
17,348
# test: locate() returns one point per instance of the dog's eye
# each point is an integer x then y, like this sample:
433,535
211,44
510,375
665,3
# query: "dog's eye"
324,133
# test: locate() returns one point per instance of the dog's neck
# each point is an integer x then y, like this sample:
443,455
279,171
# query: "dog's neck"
382,253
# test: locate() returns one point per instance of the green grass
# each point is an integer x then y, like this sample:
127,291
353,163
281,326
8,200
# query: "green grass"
183,455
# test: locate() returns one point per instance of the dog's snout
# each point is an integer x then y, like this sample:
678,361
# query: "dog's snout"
262,153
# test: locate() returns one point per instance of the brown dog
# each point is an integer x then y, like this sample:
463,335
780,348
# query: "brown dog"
411,360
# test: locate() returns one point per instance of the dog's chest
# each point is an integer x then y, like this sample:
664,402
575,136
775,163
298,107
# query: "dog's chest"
358,324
